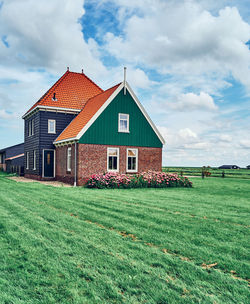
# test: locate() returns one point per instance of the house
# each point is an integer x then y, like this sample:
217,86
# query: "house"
229,167
12,158
77,129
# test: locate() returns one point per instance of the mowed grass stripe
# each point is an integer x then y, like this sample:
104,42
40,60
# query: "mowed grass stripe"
161,266
131,232
173,239
181,271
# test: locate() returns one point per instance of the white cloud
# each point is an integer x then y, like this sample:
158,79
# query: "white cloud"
182,38
225,138
46,34
191,101
245,143
7,115
198,146
187,133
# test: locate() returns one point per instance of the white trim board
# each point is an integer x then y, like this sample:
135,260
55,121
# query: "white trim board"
52,109
118,159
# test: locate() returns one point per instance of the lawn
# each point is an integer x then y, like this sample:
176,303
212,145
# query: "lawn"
215,172
77,245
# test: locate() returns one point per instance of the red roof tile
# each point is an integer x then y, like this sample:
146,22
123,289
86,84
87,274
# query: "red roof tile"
89,110
72,91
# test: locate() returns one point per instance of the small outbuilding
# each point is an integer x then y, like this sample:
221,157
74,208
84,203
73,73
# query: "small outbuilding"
15,163
229,167
12,156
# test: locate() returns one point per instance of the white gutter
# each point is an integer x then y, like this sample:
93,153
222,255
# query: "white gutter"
53,109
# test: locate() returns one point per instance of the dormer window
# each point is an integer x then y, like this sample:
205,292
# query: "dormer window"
54,97
123,124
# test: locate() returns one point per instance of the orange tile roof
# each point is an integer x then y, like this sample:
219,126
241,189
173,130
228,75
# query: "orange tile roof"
72,92
89,110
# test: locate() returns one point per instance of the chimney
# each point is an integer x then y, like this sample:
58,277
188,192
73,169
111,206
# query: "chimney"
68,69
54,97
124,80
82,71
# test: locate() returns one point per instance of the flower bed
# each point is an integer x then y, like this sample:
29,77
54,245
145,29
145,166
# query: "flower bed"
150,179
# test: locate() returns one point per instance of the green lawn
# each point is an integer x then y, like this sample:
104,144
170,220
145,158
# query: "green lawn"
215,172
76,245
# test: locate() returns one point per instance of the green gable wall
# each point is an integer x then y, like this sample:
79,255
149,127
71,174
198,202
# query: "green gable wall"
105,129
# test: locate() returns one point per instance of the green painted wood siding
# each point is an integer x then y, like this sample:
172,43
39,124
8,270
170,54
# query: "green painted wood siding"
105,129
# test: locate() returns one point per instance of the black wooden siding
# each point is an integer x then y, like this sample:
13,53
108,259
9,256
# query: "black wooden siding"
31,143
12,151
42,139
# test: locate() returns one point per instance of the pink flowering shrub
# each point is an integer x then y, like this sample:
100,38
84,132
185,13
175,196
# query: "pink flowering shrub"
150,179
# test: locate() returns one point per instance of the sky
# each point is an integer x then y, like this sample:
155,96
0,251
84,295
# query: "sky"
188,62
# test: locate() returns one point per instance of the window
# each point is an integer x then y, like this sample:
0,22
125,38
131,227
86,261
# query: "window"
132,160
34,160
51,126
32,127
69,159
123,125
27,160
29,128
1,158
113,159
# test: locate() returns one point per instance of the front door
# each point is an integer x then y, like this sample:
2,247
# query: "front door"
48,163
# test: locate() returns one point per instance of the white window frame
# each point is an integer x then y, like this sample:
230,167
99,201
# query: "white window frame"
69,159
29,128
118,158
119,119
32,127
34,160
27,160
136,164
53,131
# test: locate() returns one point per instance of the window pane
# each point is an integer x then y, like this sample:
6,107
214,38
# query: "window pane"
133,163
48,158
69,159
51,126
124,116
132,153
114,163
123,125
129,163
110,163
112,152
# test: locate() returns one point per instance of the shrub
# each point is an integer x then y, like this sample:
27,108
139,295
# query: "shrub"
150,179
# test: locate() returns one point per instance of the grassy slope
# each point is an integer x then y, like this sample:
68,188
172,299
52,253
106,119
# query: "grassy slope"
75,245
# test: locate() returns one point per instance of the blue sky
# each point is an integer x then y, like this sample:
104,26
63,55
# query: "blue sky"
188,62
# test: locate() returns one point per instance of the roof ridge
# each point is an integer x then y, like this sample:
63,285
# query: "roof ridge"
87,88
90,80
55,85
47,92
99,94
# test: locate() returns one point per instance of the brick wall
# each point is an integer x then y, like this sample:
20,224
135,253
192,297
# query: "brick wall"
61,164
93,159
